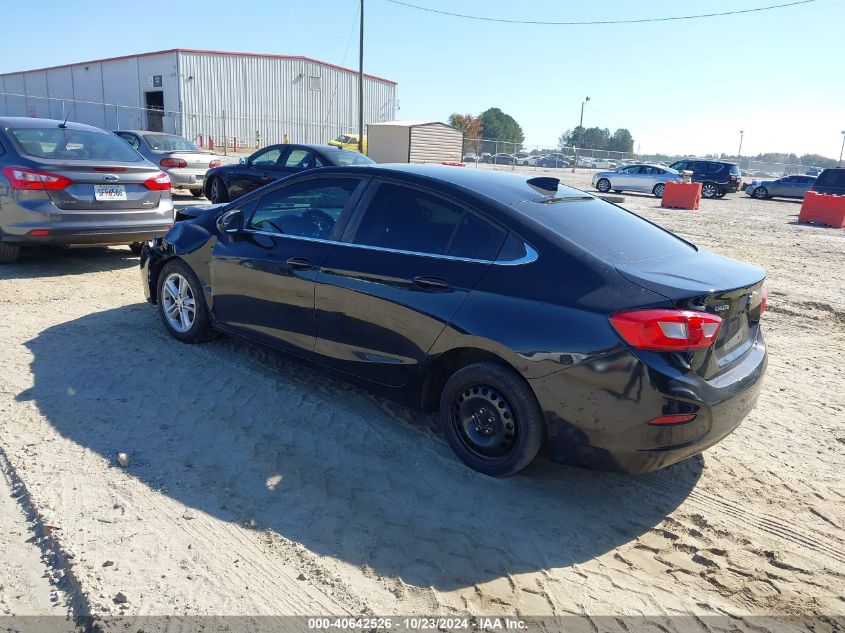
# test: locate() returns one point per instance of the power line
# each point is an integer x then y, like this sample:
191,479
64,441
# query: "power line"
598,22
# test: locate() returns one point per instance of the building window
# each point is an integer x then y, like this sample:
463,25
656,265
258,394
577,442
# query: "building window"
314,82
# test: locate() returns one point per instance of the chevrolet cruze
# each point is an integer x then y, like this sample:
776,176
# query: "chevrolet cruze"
522,311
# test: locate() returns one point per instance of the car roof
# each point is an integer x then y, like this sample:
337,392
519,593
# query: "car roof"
505,187
22,122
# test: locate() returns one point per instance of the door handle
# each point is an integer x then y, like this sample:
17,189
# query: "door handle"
299,263
431,283
265,176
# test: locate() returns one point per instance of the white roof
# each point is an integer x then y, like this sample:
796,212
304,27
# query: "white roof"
408,123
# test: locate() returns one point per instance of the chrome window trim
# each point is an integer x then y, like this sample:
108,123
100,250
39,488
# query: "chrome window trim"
531,254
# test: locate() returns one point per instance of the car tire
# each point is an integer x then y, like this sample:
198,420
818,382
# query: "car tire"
709,190
9,253
760,193
491,419
217,191
177,285
658,190
197,193
603,185
136,248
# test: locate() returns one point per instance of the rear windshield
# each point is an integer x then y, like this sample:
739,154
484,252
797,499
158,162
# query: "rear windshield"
831,178
735,170
69,144
169,143
351,157
609,232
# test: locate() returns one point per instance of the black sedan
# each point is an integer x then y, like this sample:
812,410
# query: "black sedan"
521,310
228,182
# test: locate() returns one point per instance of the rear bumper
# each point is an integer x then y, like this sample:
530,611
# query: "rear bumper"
184,179
92,236
597,413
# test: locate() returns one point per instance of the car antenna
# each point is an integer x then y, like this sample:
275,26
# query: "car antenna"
63,124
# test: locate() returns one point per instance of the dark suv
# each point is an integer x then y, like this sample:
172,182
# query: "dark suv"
830,181
717,177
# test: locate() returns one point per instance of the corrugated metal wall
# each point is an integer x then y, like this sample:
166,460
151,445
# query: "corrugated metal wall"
272,97
264,98
388,143
435,142
108,94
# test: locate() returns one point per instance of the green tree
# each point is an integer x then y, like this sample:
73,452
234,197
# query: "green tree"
499,126
621,141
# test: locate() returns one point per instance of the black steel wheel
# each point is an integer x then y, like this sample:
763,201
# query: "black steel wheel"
603,185
491,419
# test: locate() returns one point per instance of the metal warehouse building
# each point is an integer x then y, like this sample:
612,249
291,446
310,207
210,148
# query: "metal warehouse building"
250,99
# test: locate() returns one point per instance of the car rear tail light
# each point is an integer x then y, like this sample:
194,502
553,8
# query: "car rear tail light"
667,330
214,163
169,163
733,178
159,182
29,179
39,232
669,420
764,299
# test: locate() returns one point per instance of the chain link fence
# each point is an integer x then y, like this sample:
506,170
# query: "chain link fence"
228,133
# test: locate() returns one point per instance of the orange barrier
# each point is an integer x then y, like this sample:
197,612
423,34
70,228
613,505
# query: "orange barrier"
681,195
210,143
452,163
823,208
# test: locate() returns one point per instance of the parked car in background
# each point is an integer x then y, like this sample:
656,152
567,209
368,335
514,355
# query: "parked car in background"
179,158
349,141
717,177
271,163
503,158
830,181
470,158
553,160
645,178
533,160
786,187
70,184
485,157
521,310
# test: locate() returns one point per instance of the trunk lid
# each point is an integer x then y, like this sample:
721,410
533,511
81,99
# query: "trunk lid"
85,174
706,282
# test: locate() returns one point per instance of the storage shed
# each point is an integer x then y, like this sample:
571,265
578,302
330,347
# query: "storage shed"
414,142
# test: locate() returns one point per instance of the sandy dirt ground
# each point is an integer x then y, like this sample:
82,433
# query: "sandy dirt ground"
257,485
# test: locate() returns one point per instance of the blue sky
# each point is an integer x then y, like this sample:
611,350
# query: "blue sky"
679,87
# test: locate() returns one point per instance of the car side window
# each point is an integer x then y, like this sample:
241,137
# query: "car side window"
680,166
299,158
309,208
131,139
406,219
648,170
476,238
267,159
630,170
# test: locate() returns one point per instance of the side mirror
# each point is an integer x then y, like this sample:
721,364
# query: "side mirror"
242,160
231,222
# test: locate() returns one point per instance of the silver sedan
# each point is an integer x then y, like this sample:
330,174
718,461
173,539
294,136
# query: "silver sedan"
180,159
642,177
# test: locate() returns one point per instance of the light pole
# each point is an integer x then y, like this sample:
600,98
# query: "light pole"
739,151
581,126
842,148
361,84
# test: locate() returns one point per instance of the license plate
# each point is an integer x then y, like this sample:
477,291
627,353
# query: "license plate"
109,192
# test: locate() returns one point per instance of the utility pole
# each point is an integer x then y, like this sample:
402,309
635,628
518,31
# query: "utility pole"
361,84
739,151
842,148
581,126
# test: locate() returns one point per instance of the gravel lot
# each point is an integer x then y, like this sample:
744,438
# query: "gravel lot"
258,485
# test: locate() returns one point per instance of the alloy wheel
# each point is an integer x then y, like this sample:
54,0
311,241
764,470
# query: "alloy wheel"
709,190
178,303
484,421
658,191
